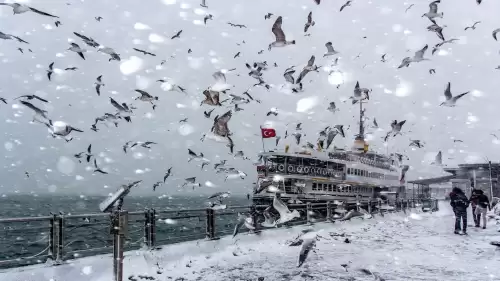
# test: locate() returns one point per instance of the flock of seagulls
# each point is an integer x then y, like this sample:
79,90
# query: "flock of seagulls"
220,94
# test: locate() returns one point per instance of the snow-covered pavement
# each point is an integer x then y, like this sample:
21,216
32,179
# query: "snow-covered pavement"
417,246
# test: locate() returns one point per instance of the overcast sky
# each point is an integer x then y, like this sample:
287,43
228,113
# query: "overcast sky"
410,94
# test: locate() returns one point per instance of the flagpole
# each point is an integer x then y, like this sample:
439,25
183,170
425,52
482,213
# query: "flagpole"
262,138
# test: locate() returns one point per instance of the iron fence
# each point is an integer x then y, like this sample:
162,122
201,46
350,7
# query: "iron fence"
57,238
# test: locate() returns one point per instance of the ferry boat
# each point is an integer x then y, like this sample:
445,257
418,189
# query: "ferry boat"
358,175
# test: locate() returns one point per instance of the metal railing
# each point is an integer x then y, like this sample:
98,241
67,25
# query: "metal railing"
57,238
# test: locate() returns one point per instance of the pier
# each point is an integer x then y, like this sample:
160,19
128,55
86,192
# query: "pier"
58,238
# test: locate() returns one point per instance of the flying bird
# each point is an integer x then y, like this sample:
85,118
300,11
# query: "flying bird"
30,97
307,246
50,70
409,7
220,82
317,1
220,127
280,35
438,160
177,35
309,22
432,71
433,11
71,68
207,17
451,100
348,3
144,52
268,16
473,27
98,18
3,100
75,48
57,23
6,36
20,8
330,51
437,29
308,68
204,3
416,143
87,40
167,174
98,85
211,98
419,56
97,169
494,33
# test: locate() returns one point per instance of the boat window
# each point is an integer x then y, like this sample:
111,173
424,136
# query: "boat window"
330,188
355,189
325,187
314,186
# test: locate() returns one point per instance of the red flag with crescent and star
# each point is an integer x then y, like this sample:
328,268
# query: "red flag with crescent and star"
268,133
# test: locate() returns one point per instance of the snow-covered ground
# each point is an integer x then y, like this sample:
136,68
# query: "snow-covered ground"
416,246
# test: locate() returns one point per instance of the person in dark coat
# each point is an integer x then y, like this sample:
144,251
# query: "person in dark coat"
483,204
459,203
473,203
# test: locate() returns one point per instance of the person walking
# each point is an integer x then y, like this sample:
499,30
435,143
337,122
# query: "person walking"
483,204
473,203
459,203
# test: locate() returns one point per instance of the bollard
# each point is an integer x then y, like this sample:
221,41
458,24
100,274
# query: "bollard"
308,213
329,210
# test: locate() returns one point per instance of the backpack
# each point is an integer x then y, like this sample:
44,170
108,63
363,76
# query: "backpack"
461,201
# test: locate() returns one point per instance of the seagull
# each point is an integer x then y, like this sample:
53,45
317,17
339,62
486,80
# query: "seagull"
145,144
167,174
75,48
409,7
473,27
71,68
98,85
437,29
396,127
280,35
3,100
494,33
50,70
20,8
6,36
144,52
269,221
220,127
340,130
285,214
38,112
145,96
237,25
268,16
375,124
177,35
30,97
438,45
348,3
207,17
57,23
419,56
156,185
438,160
61,129
122,108
239,223
375,275
330,136
382,59
97,169
208,113
309,67
191,182
204,3
272,111
416,143
307,246
432,71
317,2
89,41
451,100
196,157
297,136
433,11
359,94
332,107
330,51
98,18
220,82
309,22
233,173
109,51
211,98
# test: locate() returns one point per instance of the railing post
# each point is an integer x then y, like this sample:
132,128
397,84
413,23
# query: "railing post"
147,229
119,228
328,210
152,231
253,213
53,238
60,239
308,212
380,208
210,219
370,207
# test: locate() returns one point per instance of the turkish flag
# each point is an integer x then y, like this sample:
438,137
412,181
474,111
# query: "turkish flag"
268,133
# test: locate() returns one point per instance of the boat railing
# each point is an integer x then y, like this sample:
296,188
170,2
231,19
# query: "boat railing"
57,238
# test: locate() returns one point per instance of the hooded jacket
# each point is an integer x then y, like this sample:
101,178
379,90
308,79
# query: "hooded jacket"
458,199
